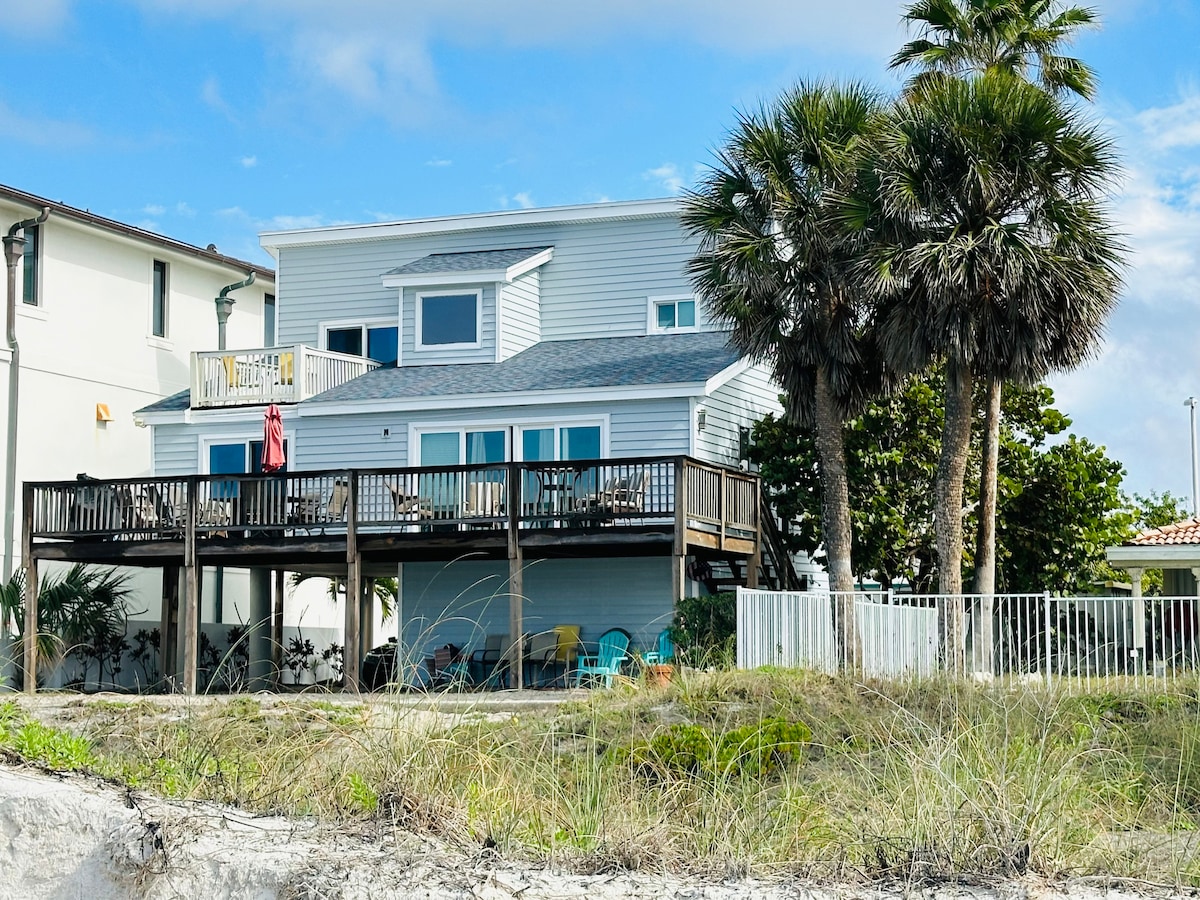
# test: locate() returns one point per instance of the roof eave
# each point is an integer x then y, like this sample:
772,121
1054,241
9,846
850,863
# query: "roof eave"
272,241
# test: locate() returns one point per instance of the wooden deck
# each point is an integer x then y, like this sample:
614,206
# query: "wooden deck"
359,523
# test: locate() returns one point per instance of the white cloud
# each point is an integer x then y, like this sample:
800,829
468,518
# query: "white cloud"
39,131
154,209
378,53
1130,399
36,18
667,175
524,200
249,162
439,163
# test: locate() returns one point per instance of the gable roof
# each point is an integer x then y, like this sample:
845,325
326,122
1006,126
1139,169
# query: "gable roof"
1185,532
551,366
471,261
61,210
617,362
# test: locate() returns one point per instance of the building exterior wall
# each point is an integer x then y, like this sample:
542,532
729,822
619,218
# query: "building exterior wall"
520,314
463,601
738,403
89,342
597,284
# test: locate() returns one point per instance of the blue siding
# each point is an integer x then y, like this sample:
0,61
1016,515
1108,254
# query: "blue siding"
596,285
740,402
460,602
520,315
486,352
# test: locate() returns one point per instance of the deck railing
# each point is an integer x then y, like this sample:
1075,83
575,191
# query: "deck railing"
270,375
583,494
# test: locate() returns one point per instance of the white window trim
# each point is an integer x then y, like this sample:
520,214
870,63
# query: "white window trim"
166,335
362,323
510,425
420,296
652,304
39,256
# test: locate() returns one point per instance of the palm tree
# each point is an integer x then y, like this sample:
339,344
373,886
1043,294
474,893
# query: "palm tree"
994,256
1020,38
83,607
772,266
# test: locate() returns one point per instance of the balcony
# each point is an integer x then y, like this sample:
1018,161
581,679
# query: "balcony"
591,505
269,375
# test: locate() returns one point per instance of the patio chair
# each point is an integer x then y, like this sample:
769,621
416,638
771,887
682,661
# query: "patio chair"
447,668
485,499
663,652
622,495
409,508
606,661
540,657
565,651
488,666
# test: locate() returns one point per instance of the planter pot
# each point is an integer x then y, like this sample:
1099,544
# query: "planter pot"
659,675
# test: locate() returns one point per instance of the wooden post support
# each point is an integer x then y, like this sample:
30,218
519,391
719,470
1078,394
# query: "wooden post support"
354,589
754,563
31,590
516,579
190,613
679,546
277,625
168,624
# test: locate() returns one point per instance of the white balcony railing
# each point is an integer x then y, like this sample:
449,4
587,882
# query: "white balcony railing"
270,375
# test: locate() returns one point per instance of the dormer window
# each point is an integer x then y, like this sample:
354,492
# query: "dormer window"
449,320
671,314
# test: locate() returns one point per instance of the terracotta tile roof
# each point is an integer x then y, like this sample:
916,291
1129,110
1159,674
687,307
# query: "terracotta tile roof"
1185,532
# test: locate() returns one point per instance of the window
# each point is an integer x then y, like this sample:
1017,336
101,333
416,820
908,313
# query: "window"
551,443
380,341
448,320
29,265
268,320
158,300
236,458
672,314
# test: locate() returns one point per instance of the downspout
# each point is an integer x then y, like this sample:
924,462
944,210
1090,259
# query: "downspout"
14,249
225,307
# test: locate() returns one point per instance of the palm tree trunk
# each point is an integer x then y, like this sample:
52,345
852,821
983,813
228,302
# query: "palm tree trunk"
835,522
948,518
985,537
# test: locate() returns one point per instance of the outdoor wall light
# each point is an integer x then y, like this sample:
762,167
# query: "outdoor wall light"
102,413
701,418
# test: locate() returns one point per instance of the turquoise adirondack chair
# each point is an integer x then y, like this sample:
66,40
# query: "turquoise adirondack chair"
663,652
606,662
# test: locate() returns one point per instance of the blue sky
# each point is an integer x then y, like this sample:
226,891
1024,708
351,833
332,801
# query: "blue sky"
212,121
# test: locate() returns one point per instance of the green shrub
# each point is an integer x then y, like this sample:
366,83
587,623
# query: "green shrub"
753,751
705,628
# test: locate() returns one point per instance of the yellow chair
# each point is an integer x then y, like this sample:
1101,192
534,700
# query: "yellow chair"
287,362
231,372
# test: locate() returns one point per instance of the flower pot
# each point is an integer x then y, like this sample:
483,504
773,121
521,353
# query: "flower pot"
659,675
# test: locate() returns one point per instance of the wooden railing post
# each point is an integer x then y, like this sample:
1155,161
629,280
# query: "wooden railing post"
516,576
354,583
679,548
31,590
191,591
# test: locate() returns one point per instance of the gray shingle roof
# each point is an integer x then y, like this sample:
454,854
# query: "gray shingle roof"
473,261
549,366
554,366
174,403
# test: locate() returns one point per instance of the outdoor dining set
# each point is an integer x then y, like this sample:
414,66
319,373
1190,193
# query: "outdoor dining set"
557,657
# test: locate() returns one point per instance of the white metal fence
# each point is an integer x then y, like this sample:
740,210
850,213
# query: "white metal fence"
1015,635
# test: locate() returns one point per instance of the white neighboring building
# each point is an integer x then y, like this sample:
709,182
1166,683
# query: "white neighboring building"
107,316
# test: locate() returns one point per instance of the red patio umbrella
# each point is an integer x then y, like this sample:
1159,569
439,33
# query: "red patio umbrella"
272,451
